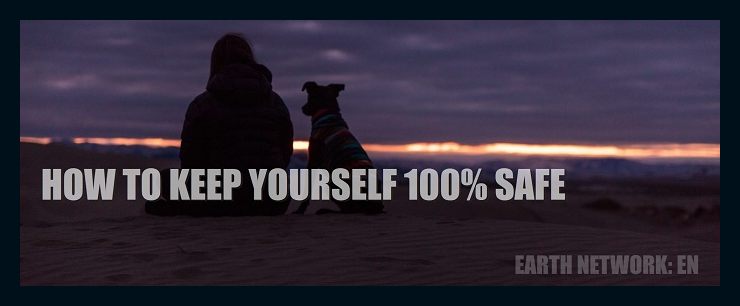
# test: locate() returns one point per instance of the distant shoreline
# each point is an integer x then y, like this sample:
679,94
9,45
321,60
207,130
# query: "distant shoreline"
652,153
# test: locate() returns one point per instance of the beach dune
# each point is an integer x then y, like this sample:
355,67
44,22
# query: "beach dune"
415,243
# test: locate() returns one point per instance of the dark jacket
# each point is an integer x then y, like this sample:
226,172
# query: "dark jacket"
238,122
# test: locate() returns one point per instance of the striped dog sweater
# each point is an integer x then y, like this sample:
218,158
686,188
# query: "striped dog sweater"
333,146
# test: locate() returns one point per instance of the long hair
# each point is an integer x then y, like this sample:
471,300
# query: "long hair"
232,48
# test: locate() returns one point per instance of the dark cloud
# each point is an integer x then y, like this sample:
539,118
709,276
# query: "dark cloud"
467,81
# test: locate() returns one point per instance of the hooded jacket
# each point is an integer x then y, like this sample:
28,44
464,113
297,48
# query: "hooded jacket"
238,123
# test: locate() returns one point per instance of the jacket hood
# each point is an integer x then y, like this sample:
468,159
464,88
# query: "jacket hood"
241,82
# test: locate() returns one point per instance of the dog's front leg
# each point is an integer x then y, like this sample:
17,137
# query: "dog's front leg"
302,209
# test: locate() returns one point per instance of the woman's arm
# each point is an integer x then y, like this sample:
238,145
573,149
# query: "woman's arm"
192,146
286,129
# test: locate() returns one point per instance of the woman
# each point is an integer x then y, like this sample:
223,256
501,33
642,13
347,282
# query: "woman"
237,123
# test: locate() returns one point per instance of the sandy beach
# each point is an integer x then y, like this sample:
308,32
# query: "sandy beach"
414,243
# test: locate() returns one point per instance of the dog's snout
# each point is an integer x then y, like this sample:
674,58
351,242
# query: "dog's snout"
306,109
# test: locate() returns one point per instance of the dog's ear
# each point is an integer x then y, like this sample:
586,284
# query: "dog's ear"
309,86
337,87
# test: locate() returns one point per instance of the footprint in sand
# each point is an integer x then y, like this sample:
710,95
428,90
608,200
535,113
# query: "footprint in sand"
119,278
121,244
136,257
266,241
386,259
198,256
51,243
187,273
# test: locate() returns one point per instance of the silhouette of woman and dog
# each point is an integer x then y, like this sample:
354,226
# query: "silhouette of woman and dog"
239,122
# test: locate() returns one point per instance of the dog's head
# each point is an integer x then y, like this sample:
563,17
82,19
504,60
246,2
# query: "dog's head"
321,97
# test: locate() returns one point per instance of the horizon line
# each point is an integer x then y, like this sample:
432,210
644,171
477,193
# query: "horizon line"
630,151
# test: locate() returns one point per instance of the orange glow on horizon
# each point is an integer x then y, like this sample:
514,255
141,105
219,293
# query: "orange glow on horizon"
638,151
626,151
38,140
148,142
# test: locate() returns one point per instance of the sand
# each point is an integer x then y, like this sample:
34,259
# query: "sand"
415,243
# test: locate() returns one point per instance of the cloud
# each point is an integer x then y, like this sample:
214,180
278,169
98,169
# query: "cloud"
72,82
336,55
467,81
304,26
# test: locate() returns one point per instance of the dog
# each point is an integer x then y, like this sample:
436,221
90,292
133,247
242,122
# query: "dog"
332,145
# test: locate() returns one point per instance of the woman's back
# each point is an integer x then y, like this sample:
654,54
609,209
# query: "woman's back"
237,123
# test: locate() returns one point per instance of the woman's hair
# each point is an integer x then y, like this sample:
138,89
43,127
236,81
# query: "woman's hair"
232,48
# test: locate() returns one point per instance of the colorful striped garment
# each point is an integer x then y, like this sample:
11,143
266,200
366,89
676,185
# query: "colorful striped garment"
333,146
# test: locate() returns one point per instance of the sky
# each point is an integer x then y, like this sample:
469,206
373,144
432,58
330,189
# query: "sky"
472,82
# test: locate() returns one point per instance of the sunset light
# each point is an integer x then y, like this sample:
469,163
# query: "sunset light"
634,151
